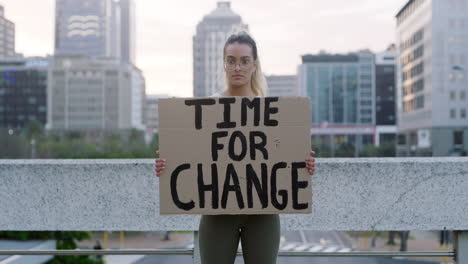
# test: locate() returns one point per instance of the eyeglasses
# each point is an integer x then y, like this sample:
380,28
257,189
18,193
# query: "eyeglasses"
244,64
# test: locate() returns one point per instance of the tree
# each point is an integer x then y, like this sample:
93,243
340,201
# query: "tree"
404,235
369,151
33,129
391,238
64,240
345,150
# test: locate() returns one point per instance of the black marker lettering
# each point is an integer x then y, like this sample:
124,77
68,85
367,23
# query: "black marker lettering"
270,110
232,141
255,104
262,189
213,187
258,146
296,185
231,172
214,144
227,123
198,109
175,197
282,193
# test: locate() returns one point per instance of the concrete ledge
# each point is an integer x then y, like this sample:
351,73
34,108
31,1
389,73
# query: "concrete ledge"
348,194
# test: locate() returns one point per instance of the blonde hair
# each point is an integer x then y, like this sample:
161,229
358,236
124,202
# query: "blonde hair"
258,80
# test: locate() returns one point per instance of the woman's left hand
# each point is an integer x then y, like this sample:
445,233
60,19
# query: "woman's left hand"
310,163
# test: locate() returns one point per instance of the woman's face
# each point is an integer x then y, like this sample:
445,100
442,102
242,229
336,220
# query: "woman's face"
239,64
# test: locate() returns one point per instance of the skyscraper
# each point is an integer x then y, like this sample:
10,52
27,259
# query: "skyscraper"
7,36
97,28
432,87
84,27
127,31
208,43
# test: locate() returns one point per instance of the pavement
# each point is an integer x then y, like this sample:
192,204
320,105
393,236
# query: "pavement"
419,241
137,240
312,241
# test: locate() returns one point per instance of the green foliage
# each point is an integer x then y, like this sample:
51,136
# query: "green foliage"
26,235
384,150
74,145
33,129
65,240
13,145
321,150
344,150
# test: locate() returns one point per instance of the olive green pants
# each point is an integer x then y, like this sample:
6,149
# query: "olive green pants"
219,238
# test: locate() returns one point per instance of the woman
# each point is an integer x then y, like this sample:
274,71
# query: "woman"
260,234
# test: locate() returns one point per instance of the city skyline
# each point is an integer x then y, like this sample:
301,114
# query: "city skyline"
165,31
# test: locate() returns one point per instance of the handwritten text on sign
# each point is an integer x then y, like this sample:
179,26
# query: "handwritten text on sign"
235,155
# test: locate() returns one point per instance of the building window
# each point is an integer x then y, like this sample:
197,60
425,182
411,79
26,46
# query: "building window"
462,95
451,76
452,113
463,113
458,137
452,95
420,102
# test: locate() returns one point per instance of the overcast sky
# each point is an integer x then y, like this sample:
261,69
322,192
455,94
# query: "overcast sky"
284,30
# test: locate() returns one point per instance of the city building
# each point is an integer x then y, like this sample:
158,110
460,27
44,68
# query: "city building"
94,94
432,48
23,91
7,35
96,28
128,31
385,96
282,85
151,111
342,92
208,44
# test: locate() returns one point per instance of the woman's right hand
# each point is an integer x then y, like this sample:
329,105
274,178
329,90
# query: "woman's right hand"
160,165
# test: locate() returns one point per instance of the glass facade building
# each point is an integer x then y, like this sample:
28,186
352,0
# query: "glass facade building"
341,88
23,87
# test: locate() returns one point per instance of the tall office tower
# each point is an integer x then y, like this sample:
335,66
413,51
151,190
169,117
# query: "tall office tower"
341,88
127,30
385,95
208,44
282,85
96,28
94,94
23,87
432,48
7,36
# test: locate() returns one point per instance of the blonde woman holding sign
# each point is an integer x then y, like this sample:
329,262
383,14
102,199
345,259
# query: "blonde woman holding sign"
260,234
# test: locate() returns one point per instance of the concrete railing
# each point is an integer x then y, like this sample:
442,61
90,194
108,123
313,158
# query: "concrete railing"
348,194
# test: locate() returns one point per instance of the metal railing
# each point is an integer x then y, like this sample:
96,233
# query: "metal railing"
81,252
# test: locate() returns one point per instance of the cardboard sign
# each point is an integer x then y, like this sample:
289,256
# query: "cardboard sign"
235,155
